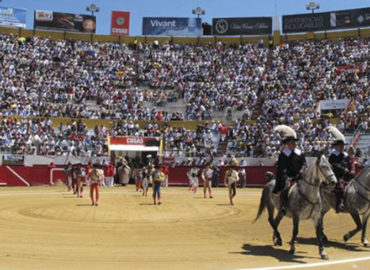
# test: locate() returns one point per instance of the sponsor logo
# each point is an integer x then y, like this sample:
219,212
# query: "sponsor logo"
222,26
157,23
7,12
88,25
120,21
44,15
119,31
135,140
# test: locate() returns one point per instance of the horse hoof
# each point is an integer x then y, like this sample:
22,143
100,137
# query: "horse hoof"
345,238
292,251
278,242
365,243
324,256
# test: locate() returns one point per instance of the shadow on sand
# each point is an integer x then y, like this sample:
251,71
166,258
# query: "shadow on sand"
339,245
280,254
84,204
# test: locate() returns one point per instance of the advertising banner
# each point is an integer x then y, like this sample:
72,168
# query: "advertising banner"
138,144
167,26
242,26
351,18
50,20
305,22
334,104
120,24
10,159
145,141
12,17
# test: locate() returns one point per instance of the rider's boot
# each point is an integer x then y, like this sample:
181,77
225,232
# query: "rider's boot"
339,202
284,201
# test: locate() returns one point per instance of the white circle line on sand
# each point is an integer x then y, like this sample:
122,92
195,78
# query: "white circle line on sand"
309,265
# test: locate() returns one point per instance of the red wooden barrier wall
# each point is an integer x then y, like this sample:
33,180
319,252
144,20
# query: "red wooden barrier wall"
40,175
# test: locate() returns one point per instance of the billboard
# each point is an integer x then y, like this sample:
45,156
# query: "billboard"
305,22
167,26
352,18
50,20
120,24
242,26
332,20
12,17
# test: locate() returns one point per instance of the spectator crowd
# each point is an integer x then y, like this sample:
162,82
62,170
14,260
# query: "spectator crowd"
40,77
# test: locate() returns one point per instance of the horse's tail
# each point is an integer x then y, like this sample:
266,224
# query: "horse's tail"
262,204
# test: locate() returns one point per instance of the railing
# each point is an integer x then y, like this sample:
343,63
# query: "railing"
356,137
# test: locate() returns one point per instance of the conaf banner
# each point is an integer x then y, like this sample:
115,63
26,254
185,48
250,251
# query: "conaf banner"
50,20
12,17
120,24
163,26
333,104
242,26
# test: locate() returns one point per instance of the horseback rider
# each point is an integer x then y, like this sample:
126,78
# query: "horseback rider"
290,165
341,163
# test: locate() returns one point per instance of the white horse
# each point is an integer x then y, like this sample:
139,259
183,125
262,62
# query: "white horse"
357,203
304,202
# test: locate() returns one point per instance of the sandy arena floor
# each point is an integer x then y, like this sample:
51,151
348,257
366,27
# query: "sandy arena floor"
47,228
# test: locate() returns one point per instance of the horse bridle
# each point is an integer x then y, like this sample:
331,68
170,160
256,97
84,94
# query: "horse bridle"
315,185
325,177
317,170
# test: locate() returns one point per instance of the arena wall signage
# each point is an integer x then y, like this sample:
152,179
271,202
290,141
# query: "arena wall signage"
120,24
10,159
334,104
50,20
12,17
332,20
168,26
133,144
242,26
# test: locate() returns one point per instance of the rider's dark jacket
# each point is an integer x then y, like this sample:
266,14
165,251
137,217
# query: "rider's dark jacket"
289,164
341,161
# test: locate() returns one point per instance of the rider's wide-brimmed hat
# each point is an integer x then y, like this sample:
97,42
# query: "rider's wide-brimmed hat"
288,133
338,137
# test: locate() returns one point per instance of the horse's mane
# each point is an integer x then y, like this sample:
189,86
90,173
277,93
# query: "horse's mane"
309,168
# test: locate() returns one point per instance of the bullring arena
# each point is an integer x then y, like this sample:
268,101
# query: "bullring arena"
178,104
47,228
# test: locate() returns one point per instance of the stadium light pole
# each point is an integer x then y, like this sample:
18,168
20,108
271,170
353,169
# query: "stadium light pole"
198,11
92,8
312,6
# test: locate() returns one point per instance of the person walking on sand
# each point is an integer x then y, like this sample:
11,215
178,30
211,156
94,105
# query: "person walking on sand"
231,178
95,178
157,178
207,181
193,176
